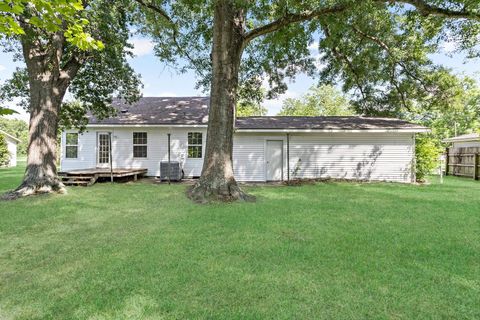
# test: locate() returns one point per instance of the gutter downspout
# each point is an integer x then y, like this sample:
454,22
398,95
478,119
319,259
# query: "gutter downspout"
110,156
288,157
169,165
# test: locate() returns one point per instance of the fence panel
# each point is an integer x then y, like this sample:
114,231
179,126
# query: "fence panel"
463,162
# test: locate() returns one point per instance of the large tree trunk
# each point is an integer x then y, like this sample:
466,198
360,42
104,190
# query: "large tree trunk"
217,181
41,172
48,85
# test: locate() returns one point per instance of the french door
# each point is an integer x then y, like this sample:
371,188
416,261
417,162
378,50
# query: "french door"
103,149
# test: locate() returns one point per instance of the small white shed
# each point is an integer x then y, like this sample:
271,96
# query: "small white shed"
12,147
470,140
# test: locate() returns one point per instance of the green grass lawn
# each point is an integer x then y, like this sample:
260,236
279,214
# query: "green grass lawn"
324,251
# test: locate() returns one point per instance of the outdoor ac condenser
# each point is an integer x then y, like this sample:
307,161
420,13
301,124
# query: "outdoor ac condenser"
173,171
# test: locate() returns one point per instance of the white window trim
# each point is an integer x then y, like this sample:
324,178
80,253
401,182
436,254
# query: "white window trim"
195,145
139,145
71,145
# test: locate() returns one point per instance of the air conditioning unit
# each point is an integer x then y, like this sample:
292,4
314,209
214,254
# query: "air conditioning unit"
172,171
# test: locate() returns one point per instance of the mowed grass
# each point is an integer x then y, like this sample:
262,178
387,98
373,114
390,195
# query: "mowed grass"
324,251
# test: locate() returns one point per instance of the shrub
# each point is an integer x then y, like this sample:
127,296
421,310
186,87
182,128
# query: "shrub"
426,156
4,154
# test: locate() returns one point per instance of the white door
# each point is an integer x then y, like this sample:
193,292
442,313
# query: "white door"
274,158
103,150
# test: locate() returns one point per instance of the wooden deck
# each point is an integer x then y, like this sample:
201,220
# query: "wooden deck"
87,177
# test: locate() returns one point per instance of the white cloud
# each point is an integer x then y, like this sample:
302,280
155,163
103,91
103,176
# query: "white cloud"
141,47
2,67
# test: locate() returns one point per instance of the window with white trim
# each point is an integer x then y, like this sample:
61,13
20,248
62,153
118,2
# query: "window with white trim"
139,144
195,145
71,145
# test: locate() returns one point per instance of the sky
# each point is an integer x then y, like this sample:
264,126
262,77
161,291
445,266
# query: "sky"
162,81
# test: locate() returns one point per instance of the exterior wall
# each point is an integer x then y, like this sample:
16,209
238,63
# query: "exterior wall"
12,149
122,146
361,156
467,144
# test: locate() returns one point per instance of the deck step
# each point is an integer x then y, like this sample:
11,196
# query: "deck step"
76,183
78,180
77,177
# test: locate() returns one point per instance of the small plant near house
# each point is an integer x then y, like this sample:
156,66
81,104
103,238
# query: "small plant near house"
295,180
296,169
4,154
426,157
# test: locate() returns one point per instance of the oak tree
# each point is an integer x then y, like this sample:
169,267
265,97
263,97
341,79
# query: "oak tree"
79,46
377,50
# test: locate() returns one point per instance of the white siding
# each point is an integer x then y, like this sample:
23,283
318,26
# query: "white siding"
122,146
249,157
87,152
12,149
363,156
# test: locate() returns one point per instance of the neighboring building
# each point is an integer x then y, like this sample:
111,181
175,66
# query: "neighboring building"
465,141
264,148
12,147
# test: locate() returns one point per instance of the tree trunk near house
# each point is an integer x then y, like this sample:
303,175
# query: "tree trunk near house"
41,172
217,181
48,85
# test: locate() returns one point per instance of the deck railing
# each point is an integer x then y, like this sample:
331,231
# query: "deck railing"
463,162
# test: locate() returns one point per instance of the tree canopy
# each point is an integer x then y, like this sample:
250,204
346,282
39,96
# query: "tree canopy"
4,153
323,100
62,45
455,111
81,29
376,50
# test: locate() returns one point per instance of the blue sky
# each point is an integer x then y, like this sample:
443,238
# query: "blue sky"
160,80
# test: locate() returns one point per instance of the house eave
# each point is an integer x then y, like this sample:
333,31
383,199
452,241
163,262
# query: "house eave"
266,130
140,125
452,140
10,136
420,130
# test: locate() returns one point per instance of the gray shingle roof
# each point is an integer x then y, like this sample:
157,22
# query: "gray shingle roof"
324,123
160,110
194,111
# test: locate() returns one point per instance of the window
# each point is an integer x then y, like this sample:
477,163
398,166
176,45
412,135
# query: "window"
139,144
194,144
71,146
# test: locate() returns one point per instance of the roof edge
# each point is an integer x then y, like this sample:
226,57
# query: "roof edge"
10,136
126,125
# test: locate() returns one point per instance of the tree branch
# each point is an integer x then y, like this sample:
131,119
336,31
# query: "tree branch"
423,7
426,9
70,69
290,18
349,64
383,45
156,9
174,28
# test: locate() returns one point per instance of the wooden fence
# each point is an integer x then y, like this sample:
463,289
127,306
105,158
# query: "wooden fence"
463,162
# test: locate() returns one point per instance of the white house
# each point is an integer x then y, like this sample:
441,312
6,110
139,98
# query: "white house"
269,148
12,147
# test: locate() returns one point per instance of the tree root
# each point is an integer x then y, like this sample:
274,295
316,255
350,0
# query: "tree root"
35,188
229,191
